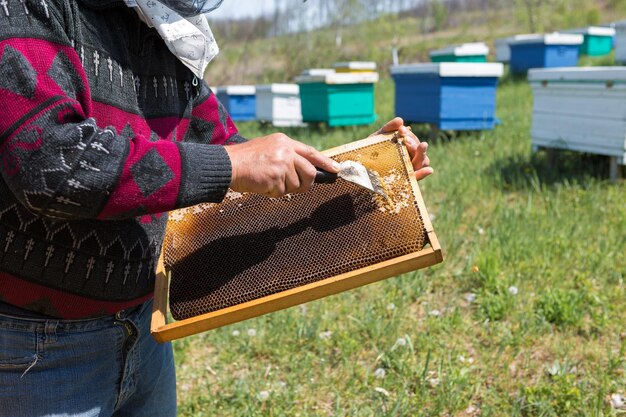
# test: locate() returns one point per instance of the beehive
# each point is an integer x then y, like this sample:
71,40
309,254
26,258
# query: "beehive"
339,99
503,51
355,66
580,109
279,104
239,101
544,51
451,95
620,41
251,255
467,52
597,40
318,71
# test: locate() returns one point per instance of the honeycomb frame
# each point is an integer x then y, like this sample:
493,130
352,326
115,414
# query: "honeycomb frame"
428,255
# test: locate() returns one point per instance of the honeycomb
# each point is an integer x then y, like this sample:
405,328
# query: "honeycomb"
250,246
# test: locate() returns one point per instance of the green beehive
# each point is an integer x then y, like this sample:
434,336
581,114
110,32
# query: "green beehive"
467,52
598,40
339,99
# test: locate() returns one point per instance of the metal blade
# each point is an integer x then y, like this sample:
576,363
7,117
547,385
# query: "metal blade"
356,173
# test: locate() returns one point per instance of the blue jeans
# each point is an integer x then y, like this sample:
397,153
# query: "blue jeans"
85,368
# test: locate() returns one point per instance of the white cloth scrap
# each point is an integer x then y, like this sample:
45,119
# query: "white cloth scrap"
190,39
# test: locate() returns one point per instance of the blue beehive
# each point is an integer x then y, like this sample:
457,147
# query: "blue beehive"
239,100
450,95
503,52
544,51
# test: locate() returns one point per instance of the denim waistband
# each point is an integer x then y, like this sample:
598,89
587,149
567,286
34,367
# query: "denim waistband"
12,310
24,323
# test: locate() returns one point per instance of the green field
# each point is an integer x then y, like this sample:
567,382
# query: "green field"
525,317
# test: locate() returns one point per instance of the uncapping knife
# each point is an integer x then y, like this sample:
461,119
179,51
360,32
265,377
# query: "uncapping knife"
355,173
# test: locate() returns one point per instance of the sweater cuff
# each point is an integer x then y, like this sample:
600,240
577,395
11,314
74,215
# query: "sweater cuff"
206,174
234,139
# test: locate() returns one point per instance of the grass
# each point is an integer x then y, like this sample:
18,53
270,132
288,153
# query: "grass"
525,317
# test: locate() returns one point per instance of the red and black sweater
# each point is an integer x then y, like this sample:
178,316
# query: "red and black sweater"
102,132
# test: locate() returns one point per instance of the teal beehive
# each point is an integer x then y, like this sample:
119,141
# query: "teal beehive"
467,52
339,99
598,40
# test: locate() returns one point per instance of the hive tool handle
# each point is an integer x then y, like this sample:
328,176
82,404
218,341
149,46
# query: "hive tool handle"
325,177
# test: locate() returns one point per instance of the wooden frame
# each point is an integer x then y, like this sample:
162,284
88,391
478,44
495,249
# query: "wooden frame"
430,255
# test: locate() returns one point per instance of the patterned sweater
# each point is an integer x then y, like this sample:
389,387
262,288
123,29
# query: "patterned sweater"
102,132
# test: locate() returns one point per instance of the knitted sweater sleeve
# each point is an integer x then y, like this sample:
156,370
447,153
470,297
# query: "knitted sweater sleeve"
58,161
210,122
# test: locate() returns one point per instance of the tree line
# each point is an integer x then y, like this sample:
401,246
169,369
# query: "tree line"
291,16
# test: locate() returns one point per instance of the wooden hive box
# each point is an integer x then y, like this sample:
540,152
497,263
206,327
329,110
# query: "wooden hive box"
355,66
620,41
279,104
502,49
544,51
292,250
597,40
339,99
466,52
239,101
452,95
580,109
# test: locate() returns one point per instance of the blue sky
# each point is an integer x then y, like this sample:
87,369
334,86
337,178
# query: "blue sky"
244,8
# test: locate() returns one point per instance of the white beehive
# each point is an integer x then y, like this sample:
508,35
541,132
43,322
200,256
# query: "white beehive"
317,71
355,66
279,104
581,109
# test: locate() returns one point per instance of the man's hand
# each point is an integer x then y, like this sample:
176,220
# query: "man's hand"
417,149
275,165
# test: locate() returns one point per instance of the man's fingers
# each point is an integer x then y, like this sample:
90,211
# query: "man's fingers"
318,159
411,145
406,132
306,174
293,179
423,173
390,126
420,155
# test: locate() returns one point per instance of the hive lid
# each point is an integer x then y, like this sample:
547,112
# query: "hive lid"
278,88
466,49
237,90
517,37
356,65
551,39
593,31
452,69
340,78
602,74
318,71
